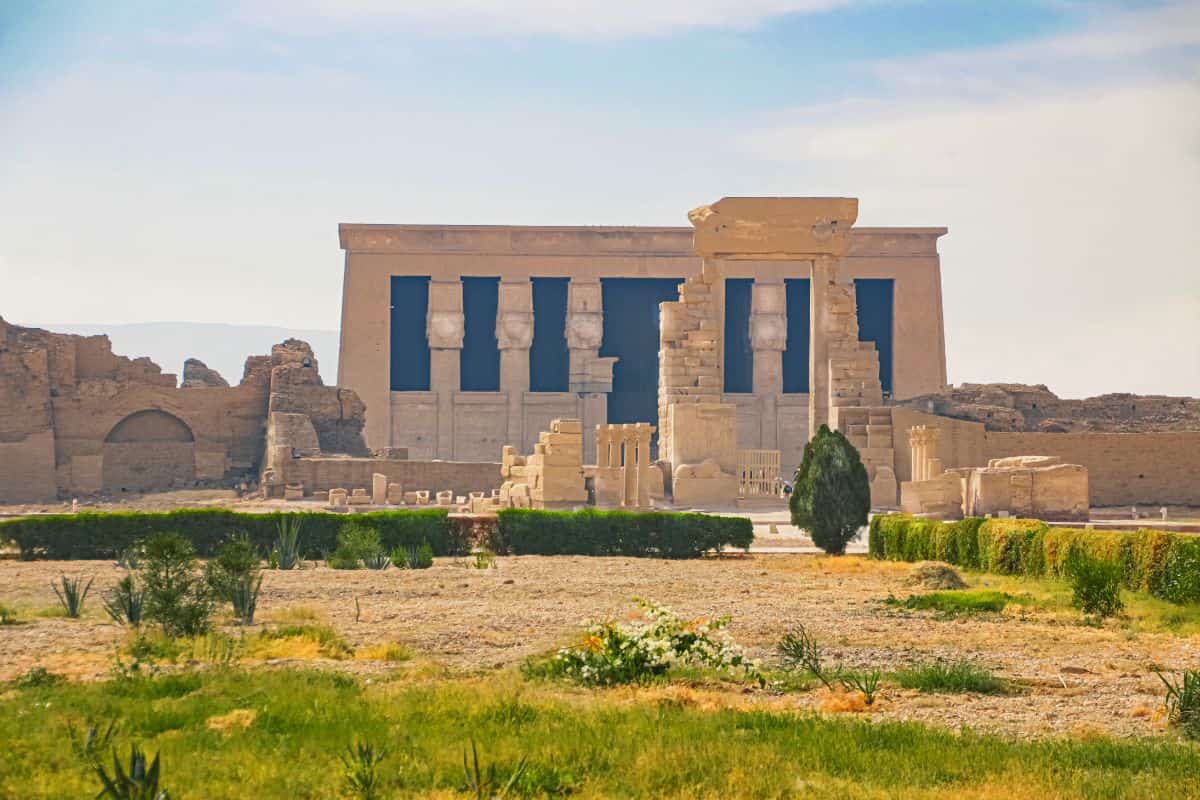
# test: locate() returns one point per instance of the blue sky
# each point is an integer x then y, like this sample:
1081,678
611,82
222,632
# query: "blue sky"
191,161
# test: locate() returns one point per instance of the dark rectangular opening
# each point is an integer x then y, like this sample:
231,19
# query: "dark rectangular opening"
631,334
479,364
739,358
875,314
409,367
795,356
549,359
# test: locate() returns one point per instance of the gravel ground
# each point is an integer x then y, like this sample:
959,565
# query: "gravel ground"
1079,679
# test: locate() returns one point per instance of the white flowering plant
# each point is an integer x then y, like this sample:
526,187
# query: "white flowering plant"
644,646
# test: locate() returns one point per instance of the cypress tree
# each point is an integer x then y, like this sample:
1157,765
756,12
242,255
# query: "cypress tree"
831,494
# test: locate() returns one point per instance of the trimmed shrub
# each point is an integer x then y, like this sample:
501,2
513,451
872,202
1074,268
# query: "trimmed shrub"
832,494
1095,584
106,535
523,531
1166,565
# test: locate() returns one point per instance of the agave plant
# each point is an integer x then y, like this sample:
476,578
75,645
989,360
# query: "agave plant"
359,762
129,558
244,597
139,782
124,603
72,595
94,740
485,784
377,560
1183,702
286,553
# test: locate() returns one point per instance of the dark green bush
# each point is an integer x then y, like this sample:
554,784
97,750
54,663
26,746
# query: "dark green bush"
523,531
358,544
1166,565
106,535
832,494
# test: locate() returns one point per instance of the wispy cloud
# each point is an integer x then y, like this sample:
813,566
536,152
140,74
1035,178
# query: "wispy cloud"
577,18
1068,172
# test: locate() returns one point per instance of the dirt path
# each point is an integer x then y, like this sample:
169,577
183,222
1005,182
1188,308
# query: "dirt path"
1081,678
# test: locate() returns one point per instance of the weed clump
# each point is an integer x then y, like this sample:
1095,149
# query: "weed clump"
951,677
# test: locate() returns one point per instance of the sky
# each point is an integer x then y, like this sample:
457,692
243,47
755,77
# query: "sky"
191,161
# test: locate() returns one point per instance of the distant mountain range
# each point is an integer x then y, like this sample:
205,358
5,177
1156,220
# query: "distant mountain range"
222,347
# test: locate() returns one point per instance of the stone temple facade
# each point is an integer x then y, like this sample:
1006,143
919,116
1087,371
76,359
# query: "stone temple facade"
463,339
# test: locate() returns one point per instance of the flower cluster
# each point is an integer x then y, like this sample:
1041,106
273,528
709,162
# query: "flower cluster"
646,645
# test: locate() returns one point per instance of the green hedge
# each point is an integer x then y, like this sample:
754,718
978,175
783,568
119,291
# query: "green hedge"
103,535
608,533
1166,565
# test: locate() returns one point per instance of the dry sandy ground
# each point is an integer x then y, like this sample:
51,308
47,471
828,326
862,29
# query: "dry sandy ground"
1079,678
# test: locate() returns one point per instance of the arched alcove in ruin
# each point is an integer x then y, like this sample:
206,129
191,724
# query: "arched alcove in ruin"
148,450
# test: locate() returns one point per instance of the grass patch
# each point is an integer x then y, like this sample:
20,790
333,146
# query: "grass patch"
385,651
952,677
1142,614
297,615
298,642
8,615
280,734
966,601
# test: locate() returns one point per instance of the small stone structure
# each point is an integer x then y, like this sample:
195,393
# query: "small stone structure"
1028,486
623,475
552,476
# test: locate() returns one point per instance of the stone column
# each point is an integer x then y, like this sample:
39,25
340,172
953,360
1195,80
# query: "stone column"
590,375
768,339
644,431
603,447
445,326
914,445
629,486
514,336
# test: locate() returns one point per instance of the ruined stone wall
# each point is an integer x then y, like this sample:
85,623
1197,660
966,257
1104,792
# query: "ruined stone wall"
323,474
77,419
1123,468
1016,407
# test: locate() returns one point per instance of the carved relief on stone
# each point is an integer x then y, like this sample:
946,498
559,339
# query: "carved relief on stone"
768,332
514,330
585,330
445,329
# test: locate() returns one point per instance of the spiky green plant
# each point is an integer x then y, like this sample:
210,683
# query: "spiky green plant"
124,603
1182,702
377,560
129,558
243,595
359,763
92,742
485,784
865,682
139,782
420,557
286,553
72,595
